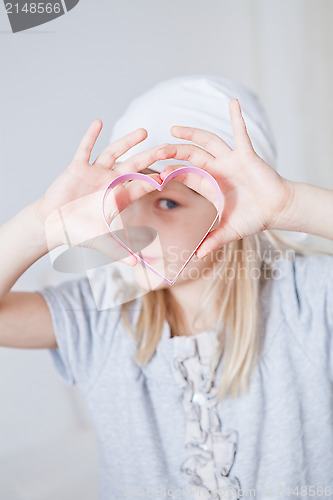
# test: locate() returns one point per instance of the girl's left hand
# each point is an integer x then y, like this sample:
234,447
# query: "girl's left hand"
256,197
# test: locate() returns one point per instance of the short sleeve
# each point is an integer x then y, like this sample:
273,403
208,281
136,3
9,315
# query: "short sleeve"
83,333
329,315
307,297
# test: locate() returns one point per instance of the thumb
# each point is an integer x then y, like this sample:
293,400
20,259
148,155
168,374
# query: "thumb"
216,239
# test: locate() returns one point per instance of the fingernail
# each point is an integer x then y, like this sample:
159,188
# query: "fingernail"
201,254
163,146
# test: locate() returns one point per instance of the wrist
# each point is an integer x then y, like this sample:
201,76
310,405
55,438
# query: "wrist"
286,216
46,228
307,208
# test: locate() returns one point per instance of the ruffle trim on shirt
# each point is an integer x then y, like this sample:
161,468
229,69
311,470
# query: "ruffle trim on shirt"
212,450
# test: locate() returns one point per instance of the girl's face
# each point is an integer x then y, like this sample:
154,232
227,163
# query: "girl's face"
181,217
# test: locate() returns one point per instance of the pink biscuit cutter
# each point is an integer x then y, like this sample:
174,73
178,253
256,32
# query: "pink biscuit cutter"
146,178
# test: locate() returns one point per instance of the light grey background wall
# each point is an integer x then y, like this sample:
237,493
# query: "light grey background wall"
55,79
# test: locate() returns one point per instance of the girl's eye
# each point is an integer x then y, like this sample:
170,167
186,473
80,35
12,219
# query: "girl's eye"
169,204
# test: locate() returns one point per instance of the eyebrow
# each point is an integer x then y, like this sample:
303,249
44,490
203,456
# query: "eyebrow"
192,190
149,171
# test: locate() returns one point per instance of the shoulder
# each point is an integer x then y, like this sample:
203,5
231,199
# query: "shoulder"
86,315
101,290
304,286
305,283
305,266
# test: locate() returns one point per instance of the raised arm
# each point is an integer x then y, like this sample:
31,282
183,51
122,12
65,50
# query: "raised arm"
310,211
256,197
69,212
24,316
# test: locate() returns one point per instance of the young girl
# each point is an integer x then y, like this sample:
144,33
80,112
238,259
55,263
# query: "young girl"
220,385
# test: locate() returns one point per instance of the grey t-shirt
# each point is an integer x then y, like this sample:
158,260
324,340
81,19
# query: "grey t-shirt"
156,440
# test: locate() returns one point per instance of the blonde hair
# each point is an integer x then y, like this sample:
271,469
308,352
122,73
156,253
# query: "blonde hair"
237,300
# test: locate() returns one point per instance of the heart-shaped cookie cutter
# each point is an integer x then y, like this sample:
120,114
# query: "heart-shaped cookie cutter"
146,178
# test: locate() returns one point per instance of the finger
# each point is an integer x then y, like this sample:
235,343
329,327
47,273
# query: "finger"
216,239
187,152
201,185
122,195
88,141
241,139
211,142
137,188
138,162
110,154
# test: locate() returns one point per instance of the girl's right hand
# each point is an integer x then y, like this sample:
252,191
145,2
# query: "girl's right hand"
71,208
